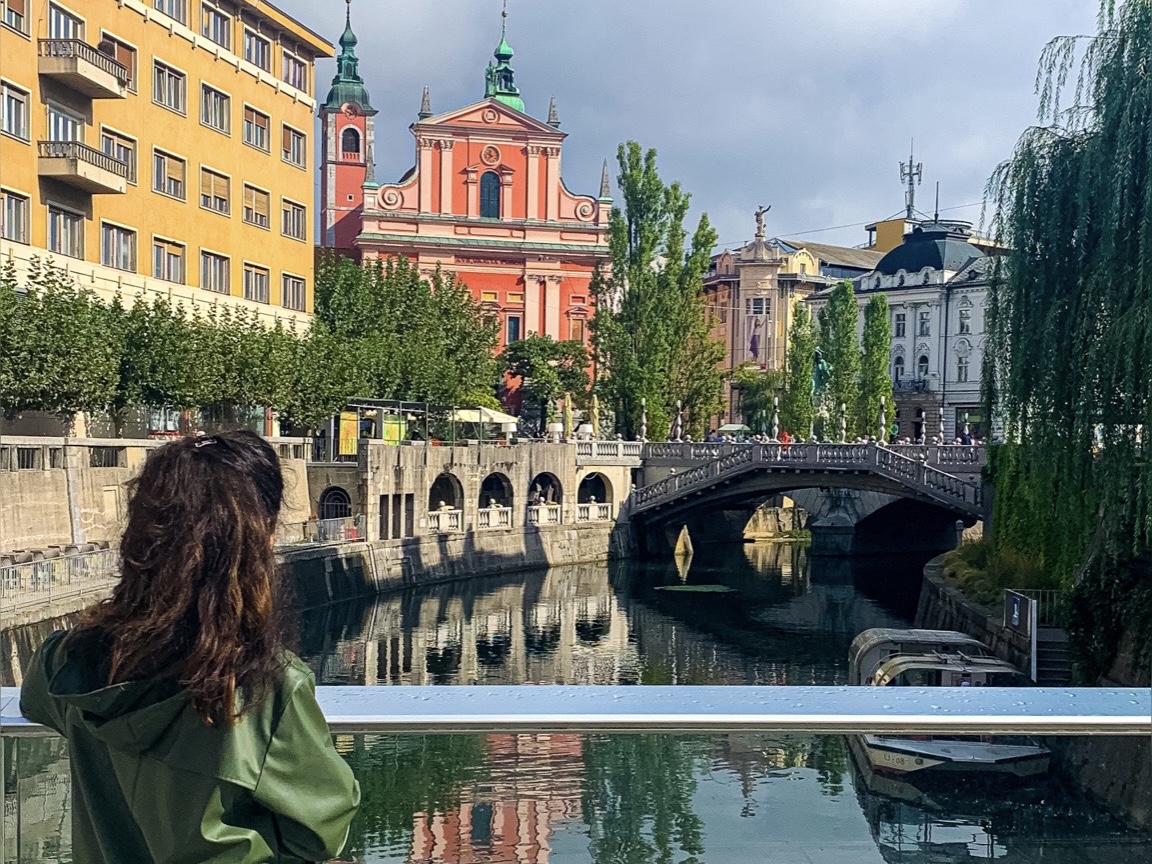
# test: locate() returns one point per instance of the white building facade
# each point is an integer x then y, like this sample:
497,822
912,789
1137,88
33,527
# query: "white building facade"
936,284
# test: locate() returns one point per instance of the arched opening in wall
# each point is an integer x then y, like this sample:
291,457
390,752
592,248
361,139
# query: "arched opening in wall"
335,503
446,494
490,195
350,142
594,489
545,489
496,491
897,368
922,366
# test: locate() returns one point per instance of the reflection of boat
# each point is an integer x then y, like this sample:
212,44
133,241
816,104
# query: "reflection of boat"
938,658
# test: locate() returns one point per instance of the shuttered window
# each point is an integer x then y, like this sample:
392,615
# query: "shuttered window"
215,191
16,15
169,174
256,206
256,126
255,283
292,147
293,220
123,54
168,260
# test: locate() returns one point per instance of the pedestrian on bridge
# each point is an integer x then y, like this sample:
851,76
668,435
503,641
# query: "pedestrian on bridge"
194,733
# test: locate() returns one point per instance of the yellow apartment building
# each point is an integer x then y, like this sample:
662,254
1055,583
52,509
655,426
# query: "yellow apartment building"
162,148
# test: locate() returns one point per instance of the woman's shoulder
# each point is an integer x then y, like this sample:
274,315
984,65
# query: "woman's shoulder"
295,673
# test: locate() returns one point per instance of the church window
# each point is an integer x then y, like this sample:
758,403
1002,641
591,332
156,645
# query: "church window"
490,195
350,142
577,330
514,322
922,366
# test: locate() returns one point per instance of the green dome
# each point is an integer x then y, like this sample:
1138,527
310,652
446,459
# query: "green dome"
347,85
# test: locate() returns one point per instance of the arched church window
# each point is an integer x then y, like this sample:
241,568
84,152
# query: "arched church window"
350,141
922,366
490,195
898,368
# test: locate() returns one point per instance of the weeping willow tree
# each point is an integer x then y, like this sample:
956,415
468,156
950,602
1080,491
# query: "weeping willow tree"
1068,371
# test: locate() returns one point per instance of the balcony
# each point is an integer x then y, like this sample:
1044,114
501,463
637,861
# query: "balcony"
82,166
913,385
82,68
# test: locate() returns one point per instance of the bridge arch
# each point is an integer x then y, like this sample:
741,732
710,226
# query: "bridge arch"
545,488
496,491
595,488
447,493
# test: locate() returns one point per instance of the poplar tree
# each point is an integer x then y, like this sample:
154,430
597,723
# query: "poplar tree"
841,347
1068,370
796,410
875,378
652,331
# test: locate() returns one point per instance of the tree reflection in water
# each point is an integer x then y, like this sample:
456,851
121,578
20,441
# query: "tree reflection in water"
638,793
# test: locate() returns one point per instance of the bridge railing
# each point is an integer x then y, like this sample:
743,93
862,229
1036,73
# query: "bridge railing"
36,583
945,455
495,517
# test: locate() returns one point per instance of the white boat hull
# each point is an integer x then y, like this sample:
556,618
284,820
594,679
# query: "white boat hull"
905,756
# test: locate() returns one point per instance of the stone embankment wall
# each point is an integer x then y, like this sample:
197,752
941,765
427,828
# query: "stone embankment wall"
771,522
1113,770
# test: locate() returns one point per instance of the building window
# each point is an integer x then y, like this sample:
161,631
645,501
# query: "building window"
517,299
758,306
293,147
215,109
295,72
489,297
350,142
577,329
925,324
65,232
292,295
13,217
897,368
514,329
168,87
16,15
123,54
490,195
965,321
257,50
216,25
215,191
63,125
256,126
14,111
962,370
900,325
255,283
168,261
256,206
120,148
922,366
169,174
118,247
293,219
62,24
215,272
176,9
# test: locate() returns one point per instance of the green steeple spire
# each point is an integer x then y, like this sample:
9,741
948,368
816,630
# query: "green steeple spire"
347,86
500,78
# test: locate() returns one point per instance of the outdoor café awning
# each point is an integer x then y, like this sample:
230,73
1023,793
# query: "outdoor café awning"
482,415
735,427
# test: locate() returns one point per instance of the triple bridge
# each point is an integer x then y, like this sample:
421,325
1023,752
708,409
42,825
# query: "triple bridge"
925,489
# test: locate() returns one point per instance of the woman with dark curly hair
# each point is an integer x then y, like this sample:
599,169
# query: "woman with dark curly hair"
194,733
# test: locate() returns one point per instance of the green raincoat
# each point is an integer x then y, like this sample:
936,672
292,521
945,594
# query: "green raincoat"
153,785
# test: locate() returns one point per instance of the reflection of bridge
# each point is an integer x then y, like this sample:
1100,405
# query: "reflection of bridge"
768,469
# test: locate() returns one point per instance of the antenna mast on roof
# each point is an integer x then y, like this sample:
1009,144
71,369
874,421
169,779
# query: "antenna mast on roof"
936,218
911,173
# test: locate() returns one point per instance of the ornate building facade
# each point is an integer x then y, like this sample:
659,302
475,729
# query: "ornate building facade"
485,200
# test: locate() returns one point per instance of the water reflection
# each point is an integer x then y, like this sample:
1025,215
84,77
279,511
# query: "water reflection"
537,799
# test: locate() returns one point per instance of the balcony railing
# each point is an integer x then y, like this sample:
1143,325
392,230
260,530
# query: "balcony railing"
446,521
84,68
495,517
912,385
593,512
77,164
544,514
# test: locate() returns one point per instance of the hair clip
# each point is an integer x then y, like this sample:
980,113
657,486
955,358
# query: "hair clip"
204,442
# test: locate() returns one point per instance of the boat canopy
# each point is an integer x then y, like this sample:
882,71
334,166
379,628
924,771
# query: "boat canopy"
873,646
947,670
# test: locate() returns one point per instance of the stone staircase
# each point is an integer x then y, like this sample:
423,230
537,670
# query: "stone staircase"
1053,664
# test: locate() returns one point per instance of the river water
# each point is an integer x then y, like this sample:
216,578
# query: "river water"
639,799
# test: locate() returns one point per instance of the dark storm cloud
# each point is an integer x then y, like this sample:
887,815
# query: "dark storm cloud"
805,104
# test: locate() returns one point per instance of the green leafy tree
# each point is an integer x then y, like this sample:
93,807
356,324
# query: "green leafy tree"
875,378
841,347
796,410
652,331
1069,359
547,369
758,391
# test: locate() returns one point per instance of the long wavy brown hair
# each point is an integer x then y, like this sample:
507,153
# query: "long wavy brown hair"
197,605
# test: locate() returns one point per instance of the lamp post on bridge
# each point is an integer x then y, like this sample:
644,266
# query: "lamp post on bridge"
883,439
643,420
775,418
843,423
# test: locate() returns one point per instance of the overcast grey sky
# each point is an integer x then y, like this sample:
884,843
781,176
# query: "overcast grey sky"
807,105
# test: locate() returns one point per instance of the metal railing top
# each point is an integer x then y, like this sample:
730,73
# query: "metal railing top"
813,710
81,152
